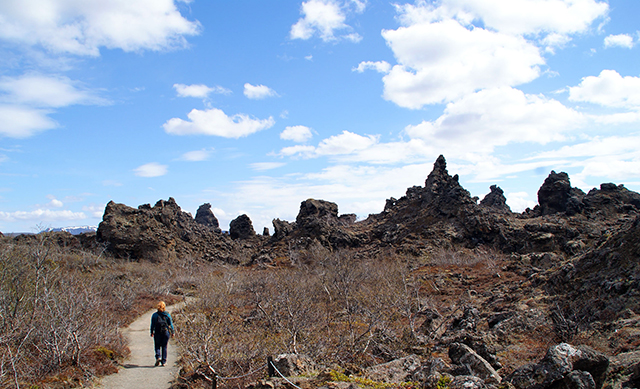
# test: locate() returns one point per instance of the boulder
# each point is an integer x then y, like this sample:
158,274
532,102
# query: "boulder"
205,216
241,228
556,366
294,364
467,382
396,371
472,363
281,228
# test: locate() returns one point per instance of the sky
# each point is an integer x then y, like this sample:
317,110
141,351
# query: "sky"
255,106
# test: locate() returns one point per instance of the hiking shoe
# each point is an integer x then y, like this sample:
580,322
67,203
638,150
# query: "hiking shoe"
158,362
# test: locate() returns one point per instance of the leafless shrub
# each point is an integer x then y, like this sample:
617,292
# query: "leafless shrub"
334,307
60,310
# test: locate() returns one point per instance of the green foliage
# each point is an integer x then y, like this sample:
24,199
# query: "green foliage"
369,383
443,382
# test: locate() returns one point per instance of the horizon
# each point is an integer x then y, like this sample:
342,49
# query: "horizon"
254,107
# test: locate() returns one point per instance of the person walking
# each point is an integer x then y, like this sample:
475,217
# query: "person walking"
161,330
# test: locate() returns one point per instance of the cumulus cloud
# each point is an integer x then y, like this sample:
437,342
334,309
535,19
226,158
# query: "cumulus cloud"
448,49
613,157
298,134
54,203
481,121
519,201
518,17
257,92
378,66
324,18
342,144
152,169
81,27
215,122
26,102
621,40
199,90
608,89
441,62
22,122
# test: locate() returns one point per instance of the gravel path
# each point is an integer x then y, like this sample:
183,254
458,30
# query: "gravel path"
138,371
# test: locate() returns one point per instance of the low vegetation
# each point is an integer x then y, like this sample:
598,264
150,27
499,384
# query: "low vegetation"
60,310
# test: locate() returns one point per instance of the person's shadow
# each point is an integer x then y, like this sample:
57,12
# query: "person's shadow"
132,366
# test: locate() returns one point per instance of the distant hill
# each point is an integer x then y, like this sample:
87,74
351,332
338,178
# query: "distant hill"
74,230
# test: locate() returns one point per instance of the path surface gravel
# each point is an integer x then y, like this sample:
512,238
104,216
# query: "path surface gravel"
138,371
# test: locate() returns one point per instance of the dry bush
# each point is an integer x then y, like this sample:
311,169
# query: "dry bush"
334,307
60,310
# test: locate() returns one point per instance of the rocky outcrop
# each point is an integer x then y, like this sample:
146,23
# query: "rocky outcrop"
496,200
556,195
440,215
241,228
205,216
159,233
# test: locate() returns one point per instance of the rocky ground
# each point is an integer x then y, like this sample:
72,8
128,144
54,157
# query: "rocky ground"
553,303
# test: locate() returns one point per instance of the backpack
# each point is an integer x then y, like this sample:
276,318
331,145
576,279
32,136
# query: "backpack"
162,324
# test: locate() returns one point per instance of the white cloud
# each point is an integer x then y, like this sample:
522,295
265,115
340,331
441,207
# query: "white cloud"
323,18
45,91
199,90
443,61
512,16
298,134
496,117
345,143
215,122
306,151
257,92
196,155
152,169
378,66
81,27
22,122
342,144
263,166
95,210
519,201
54,203
450,48
609,89
26,102
555,41
41,215
621,40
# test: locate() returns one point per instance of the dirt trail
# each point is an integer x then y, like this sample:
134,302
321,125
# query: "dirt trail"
138,371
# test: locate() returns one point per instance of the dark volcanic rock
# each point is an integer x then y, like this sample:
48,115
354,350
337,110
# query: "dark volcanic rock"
160,232
241,228
281,228
205,216
496,200
556,195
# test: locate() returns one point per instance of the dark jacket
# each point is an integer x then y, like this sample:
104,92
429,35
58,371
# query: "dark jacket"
154,321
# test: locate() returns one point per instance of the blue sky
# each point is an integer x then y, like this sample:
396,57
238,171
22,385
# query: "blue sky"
255,106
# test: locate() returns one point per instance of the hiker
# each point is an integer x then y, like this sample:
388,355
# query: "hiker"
161,330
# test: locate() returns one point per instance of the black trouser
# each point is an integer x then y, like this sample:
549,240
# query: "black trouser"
161,340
